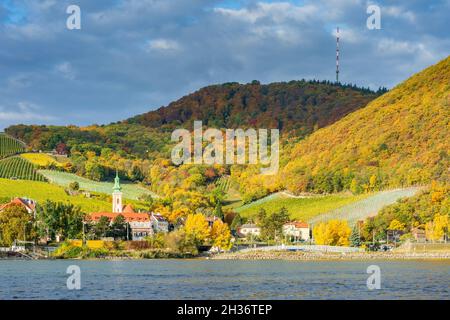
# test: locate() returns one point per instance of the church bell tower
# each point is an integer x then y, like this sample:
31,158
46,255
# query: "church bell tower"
117,195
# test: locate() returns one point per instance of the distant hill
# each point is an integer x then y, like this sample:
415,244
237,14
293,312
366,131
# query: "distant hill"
300,105
296,107
401,138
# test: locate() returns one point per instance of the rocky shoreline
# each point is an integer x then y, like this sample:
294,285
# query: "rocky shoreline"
316,256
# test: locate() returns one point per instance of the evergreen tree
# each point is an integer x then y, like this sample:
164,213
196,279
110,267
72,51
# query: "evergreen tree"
355,239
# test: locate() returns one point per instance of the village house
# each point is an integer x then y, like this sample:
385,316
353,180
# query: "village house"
140,224
296,230
159,223
249,230
418,235
28,204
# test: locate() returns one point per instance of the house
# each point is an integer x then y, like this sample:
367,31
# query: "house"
249,230
296,230
28,204
211,220
418,235
140,223
159,223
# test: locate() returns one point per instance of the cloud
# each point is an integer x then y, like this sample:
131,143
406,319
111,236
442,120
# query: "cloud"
163,45
24,112
66,70
132,56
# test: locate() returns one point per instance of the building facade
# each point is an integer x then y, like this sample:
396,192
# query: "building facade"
296,230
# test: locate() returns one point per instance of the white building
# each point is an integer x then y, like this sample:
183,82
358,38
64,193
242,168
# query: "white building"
159,223
296,230
248,230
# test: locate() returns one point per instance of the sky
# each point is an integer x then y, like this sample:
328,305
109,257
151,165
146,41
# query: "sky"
133,56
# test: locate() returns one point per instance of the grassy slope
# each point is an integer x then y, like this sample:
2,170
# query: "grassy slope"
41,191
366,207
299,208
40,159
130,191
322,208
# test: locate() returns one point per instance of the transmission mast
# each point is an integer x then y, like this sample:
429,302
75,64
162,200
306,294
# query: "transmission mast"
337,55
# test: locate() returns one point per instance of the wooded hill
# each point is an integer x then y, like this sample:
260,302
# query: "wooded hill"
299,106
401,138
296,105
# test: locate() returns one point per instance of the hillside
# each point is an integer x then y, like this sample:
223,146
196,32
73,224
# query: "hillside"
401,138
319,208
296,105
10,146
19,168
64,179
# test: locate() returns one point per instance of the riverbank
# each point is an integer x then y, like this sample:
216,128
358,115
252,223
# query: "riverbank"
330,256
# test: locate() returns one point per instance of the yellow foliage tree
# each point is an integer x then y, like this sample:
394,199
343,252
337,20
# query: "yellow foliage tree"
436,229
221,235
396,225
333,233
197,228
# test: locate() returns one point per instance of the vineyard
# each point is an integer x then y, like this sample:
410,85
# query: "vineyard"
223,183
10,146
304,208
317,209
19,168
130,190
364,208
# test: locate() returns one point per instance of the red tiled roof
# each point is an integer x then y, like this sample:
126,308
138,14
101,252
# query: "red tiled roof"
128,209
129,216
298,224
21,202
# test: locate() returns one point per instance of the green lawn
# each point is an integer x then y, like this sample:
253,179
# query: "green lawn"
299,208
41,191
130,190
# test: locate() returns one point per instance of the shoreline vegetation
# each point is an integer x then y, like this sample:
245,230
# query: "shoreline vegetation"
406,252
101,254
322,256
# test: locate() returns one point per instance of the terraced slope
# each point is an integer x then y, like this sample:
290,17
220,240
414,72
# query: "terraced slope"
10,146
366,207
19,168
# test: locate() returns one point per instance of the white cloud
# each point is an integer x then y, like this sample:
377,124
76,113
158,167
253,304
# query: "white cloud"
24,111
66,70
398,12
162,45
277,12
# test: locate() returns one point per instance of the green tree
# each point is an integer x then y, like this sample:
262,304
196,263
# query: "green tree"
355,237
15,224
74,186
102,227
272,224
58,218
118,227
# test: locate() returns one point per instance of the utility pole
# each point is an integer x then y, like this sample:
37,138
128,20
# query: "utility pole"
337,55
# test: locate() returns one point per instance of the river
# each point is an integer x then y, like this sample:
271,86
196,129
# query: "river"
218,279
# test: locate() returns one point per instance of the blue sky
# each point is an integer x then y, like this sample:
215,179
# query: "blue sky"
132,56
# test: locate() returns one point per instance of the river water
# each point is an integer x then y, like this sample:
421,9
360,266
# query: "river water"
215,279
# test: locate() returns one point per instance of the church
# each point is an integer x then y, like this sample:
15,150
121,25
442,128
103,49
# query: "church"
140,223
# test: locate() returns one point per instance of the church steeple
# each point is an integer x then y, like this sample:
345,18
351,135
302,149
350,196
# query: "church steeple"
117,195
117,186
